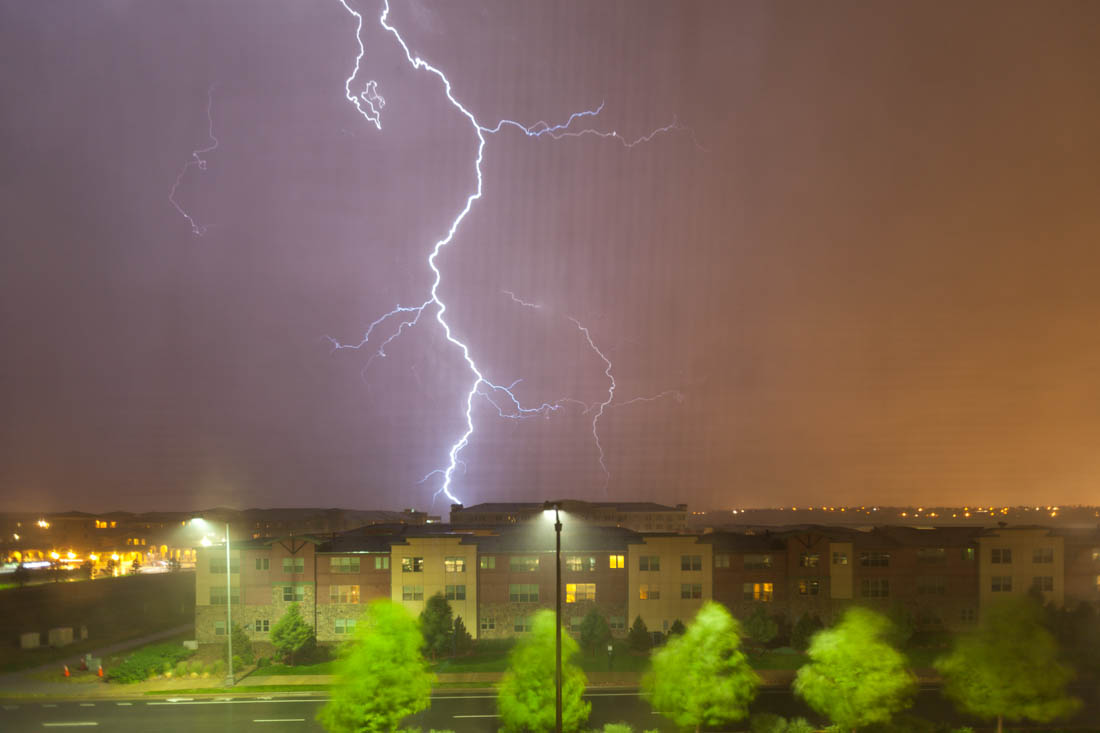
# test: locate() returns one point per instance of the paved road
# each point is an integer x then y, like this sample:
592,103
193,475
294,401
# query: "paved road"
460,712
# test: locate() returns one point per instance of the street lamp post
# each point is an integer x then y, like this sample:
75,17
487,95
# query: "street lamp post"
228,599
556,506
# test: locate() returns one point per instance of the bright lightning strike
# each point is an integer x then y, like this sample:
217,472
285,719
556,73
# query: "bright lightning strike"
197,161
369,103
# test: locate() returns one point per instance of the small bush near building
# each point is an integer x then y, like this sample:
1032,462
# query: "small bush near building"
144,663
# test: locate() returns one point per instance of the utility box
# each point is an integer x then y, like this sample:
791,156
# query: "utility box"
30,640
191,644
61,636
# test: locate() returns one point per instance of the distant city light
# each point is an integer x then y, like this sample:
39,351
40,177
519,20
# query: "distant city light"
43,524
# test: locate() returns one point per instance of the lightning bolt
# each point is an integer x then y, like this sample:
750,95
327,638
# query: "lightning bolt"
197,161
369,103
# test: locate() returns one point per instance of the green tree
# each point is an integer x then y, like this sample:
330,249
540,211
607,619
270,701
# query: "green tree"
804,629
437,626
854,676
291,635
639,639
1009,668
677,628
595,633
242,645
760,627
462,639
381,676
703,678
526,697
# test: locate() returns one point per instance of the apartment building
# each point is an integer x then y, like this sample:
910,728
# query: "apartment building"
640,516
497,577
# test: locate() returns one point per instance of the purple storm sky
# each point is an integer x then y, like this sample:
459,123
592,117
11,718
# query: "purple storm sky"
871,267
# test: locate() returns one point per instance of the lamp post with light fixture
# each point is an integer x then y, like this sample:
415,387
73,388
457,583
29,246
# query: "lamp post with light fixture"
556,506
199,521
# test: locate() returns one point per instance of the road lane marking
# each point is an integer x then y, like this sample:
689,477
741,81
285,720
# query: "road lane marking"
49,705
279,720
229,702
11,707
475,716
76,724
87,704
123,703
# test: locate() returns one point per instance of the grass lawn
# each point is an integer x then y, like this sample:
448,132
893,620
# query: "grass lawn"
781,658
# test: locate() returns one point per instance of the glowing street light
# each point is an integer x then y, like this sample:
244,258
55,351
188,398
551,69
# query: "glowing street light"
546,508
200,522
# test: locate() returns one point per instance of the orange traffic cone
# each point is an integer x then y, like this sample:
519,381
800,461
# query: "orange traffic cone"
99,673
66,670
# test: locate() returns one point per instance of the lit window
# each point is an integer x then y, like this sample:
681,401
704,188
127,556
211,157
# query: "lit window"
809,559
874,588
649,563
691,562
647,592
294,564
412,564
343,594
344,564
455,592
1001,556
382,563
454,565
840,558
488,562
1002,583
580,592
968,553
412,592
523,593
808,587
1043,555
691,590
617,562
523,563
757,591
574,563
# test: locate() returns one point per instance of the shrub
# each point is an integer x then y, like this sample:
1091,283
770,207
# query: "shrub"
144,663
181,669
617,728
196,666
767,723
217,669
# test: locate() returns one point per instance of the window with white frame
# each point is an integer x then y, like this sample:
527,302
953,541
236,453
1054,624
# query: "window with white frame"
580,592
455,592
1001,583
454,565
343,594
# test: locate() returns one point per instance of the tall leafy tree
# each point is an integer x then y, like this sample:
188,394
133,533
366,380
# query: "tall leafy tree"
1009,668
526,697
595,633
854,676
437,626
639,639
291,635
462,639
702,677
381,677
